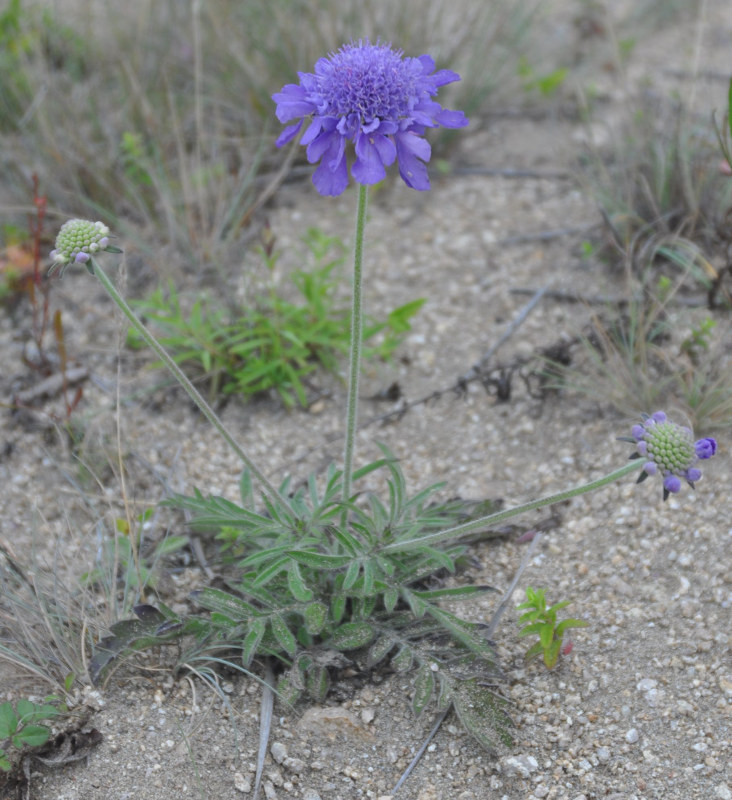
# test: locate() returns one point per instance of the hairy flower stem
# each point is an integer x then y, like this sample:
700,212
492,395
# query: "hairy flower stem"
354,363
500,516
205,408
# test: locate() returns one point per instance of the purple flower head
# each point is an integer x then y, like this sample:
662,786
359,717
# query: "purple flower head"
670,451
374,97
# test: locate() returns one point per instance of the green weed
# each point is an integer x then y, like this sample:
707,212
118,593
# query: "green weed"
21,725
541,621
271,343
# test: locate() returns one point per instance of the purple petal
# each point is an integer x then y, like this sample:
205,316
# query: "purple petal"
650,467
288,134
428,64
331,183
368,167
659,416
672,483
292,102
410,148
81,258
443,76
705,448
452,119
692,474
322,144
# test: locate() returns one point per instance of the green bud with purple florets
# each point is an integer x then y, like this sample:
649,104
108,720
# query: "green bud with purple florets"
670,451
77,241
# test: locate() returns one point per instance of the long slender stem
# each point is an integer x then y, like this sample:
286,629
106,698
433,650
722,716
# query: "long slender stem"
500,516
193,393
356,337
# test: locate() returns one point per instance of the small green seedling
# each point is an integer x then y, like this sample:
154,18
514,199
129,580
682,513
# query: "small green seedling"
699,338
542,622
19,726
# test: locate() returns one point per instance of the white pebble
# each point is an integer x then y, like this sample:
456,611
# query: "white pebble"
631,737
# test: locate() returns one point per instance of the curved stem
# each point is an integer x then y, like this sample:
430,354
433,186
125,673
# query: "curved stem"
354,363
183,380
500,516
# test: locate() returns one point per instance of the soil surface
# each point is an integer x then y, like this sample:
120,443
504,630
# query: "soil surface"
640,708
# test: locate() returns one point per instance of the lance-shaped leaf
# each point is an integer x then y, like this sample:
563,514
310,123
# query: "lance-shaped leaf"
483,714
424,686
456,591
132,635
317,682
464,632
225,603
391,597
252,640
351,636
297,585
310,558
379,650
283,634
403,660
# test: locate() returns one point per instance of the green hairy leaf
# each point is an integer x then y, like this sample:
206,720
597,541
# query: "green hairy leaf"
351,636
483,714
424,686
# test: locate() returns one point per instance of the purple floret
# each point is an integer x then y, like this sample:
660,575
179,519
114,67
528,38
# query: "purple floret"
374,97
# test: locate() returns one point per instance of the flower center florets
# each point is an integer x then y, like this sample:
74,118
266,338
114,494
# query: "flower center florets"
79,237
670,446
372,81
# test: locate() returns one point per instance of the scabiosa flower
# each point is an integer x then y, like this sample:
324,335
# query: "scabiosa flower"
378,99
669,450
77,241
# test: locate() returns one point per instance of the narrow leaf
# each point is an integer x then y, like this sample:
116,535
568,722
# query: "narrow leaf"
283,634
402,661
379,650
252,640
391,597
546,634
317,683
424,686
297,585
225,603
351,575
319,560
458,591
569,623
483,714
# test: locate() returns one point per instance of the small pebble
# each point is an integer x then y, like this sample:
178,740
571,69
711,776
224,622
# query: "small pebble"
631,737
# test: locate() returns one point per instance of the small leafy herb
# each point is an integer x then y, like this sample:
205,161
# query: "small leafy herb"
542,622
19,726
273,343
